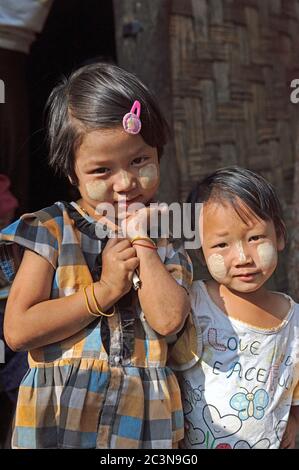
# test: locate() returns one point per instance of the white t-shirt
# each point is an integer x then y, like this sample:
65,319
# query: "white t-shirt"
239,393
20,20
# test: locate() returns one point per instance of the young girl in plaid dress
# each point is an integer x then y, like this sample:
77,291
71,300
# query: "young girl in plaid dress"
97,349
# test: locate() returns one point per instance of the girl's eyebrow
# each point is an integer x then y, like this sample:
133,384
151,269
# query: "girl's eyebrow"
142,148
222,234
95,163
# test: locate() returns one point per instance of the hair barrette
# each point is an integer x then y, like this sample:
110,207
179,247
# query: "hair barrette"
131,120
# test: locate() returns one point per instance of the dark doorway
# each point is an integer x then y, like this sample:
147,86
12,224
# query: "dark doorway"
76,32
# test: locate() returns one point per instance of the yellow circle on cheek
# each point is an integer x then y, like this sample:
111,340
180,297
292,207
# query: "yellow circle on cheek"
148,176
216,266
267,255
96,190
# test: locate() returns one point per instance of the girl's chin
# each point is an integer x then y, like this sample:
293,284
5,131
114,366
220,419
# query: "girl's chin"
244,287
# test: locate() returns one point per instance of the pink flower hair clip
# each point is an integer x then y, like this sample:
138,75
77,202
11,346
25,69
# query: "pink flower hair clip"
131,120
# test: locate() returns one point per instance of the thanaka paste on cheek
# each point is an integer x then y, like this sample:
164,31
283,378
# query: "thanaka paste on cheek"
217,267
267,255
96,190
148,176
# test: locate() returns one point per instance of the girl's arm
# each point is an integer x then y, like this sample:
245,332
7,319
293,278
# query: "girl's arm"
289,438
164,302
32,320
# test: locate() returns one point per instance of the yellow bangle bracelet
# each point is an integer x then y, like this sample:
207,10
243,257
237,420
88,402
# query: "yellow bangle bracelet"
148,239
86,301
97,305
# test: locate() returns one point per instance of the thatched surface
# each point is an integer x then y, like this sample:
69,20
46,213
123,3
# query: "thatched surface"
232,63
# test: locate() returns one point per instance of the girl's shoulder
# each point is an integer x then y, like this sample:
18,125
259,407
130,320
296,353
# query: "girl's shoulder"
198,294
49,217
39,231
42,216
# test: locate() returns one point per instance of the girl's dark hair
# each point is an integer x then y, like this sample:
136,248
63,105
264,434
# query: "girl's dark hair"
97,96
252,189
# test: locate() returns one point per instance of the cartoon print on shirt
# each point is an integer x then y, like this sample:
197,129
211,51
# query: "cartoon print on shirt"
261,444
249,404
191,396
195,435
219,426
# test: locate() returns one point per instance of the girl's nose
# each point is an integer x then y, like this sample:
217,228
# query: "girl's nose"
241,256
124,181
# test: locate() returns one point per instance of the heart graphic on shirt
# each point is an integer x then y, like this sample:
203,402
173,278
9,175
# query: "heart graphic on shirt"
220,426
261,444
195,435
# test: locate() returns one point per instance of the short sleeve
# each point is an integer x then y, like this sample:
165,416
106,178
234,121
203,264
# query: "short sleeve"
186,350
39,232
295,398
176,261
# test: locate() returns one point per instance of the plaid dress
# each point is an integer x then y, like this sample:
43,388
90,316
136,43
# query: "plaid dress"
107,386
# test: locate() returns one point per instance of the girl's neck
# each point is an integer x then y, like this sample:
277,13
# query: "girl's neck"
87,209
256,297
91,212
262,308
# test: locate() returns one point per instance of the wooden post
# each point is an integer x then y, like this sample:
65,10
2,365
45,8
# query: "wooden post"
143,47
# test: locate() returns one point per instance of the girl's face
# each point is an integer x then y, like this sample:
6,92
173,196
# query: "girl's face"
115,167
239,254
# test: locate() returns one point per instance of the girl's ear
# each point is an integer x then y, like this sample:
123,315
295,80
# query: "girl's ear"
280,243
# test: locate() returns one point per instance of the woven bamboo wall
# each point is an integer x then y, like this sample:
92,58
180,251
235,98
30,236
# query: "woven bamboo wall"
232,62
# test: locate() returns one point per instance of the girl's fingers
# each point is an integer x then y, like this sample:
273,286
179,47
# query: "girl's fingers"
112,242
131,264
123,245
119,244
127,253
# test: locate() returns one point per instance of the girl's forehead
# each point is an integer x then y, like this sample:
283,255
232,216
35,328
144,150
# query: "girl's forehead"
110,139
111,144
218,212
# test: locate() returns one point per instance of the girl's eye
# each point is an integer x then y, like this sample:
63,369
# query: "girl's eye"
255,238
101,170
220,245
139,160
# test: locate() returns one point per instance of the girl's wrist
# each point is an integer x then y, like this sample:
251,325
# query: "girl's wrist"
143,240
105,295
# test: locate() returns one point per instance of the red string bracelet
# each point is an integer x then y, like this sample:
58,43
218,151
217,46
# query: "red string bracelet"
145,246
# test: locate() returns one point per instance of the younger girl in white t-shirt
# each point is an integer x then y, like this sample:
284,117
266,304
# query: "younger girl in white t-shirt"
241,387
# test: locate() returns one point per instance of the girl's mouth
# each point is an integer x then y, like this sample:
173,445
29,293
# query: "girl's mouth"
247,277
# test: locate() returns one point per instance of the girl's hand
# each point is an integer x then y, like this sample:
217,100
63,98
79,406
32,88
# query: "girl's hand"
119,263
144,221
289,438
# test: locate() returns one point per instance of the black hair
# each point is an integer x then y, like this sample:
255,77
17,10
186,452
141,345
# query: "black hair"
97,96
233,183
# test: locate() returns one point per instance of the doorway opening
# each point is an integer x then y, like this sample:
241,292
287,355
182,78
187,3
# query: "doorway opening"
75,33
